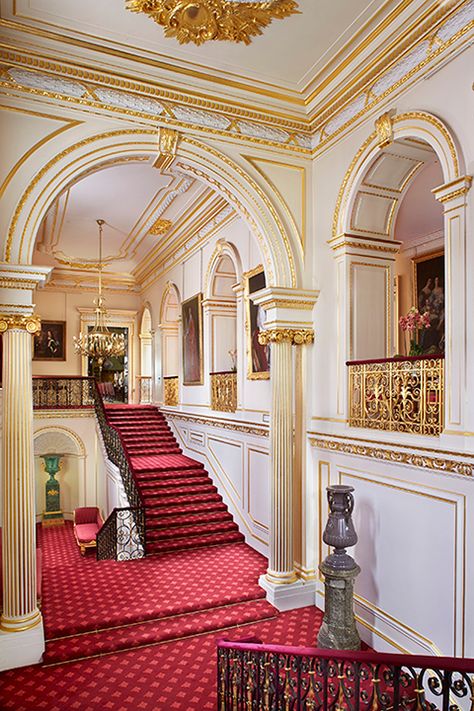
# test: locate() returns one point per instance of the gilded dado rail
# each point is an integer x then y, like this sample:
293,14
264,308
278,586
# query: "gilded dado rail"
398,395
224,391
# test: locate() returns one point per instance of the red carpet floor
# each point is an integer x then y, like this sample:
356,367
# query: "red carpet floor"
183,509
174,676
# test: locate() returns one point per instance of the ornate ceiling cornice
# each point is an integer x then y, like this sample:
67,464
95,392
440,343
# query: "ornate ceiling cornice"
403,62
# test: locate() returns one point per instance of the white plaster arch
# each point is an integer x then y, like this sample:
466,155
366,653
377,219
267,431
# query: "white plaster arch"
66,158
223,249
170,291
65,432
146,320
412,125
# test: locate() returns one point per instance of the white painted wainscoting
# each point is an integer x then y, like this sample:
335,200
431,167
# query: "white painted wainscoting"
415,548
236,455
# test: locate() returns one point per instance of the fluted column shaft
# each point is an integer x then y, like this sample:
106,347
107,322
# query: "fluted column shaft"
20,611
280,568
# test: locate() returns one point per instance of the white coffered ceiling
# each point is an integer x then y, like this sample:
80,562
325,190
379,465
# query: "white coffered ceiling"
288,53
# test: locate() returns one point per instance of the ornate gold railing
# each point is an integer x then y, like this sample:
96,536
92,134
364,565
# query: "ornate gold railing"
399,395
171,391
144,389
224,391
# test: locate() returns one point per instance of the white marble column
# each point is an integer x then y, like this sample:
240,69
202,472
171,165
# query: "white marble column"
285,589
21,629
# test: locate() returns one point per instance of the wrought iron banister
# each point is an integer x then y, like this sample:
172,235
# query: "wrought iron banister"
252,676
117,454
119,537
397,394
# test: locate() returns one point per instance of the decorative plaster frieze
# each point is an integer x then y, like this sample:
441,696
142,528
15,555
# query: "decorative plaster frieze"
426,458
243,426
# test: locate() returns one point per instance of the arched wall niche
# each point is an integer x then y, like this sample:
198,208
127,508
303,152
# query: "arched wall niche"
365,245
72,474
170,314
278,244
222,281
145,385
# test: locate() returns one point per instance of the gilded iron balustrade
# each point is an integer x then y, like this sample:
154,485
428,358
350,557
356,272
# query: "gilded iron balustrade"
144,389
224,391
171,391
260,677
397,395
57,393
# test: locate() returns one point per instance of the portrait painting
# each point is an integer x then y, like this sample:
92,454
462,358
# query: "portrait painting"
50,342
191,314
429,295
258,356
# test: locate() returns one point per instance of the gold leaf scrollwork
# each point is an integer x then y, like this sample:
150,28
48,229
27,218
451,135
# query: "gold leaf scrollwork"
171,391
167,146
384,128
295,336
32,323
199,21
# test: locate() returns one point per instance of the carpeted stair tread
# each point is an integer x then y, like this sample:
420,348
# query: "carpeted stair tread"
191,531
166,462
189,501
180,544
179,491
166,512
188,519
156,631
143,477
162,484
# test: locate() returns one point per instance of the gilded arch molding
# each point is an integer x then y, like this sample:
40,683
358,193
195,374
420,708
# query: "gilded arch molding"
223,248
170,287
203,161
414,124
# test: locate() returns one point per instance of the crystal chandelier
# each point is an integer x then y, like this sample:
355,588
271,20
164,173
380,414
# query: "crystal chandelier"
100,344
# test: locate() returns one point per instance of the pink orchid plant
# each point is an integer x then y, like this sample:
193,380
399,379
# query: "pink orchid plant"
413,324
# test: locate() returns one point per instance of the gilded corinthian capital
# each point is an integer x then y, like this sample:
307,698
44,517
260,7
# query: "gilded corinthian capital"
32,323
295,336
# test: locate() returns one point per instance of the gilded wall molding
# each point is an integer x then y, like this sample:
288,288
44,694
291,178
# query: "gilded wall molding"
409,457
245,427
295,336
8,322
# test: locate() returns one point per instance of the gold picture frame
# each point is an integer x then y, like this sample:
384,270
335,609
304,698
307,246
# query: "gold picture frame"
428,293
251,284
192,342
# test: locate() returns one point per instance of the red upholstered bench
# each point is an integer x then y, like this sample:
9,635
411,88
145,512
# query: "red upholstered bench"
87,523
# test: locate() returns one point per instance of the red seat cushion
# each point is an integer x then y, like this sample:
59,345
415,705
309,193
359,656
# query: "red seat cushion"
86,532
86,514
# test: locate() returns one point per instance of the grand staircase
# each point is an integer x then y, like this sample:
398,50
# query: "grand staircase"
183,509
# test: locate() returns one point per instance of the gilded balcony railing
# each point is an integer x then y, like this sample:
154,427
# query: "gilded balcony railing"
54,392
224,391
398,395
171,390
144,389
262,677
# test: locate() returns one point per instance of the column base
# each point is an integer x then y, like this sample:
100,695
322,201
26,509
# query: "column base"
19,649
289,596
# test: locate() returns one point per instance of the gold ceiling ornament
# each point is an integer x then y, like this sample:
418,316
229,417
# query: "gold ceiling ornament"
199,21
167,145
295,336
160,227
99,343
384,129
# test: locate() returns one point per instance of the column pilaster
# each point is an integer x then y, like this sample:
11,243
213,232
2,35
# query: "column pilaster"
20,611
289,323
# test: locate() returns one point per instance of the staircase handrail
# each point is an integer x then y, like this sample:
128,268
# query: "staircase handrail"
118,455
250,671
108,537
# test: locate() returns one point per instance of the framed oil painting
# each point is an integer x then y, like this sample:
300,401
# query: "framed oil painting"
50,342
191,315
429,295
258,356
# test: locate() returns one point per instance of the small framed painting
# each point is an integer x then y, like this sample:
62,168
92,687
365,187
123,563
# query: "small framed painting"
429,295
50,342
191,315
258,356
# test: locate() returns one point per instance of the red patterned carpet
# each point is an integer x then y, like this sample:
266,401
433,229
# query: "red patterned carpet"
176,676
183,508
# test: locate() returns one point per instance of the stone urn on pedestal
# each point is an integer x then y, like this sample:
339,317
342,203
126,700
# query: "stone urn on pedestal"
53,514
338,630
